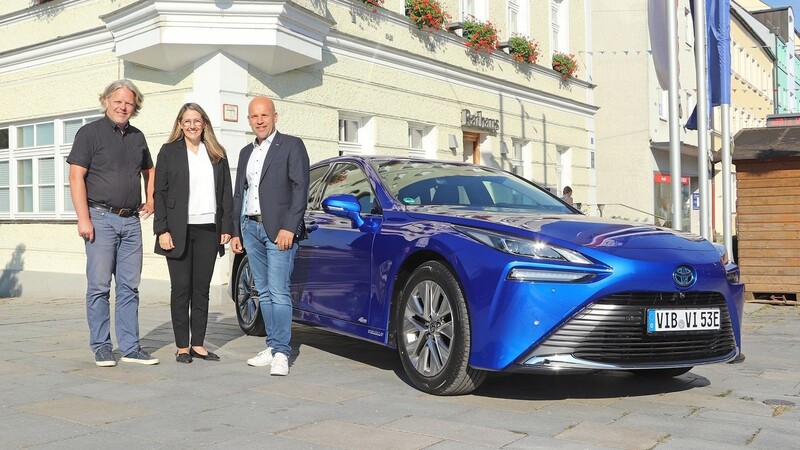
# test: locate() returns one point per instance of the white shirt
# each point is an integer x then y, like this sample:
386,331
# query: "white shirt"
202,196
254,166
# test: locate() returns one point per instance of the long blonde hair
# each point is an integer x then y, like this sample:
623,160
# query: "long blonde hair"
215,150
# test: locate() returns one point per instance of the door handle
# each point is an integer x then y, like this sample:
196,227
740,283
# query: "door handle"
311,226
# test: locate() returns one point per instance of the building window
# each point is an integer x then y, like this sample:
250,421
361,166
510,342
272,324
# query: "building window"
34,174
513,18
415,135
37,135
474,8
39,196
591,161
559,26
348,135
517,163
5,183
71,128
3,138
518,18
47,185
663,201
348,131
68,206
356,134
521,158
421,141
25,185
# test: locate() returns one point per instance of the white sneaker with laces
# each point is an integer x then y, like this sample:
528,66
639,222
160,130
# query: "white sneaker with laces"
262,359
280,365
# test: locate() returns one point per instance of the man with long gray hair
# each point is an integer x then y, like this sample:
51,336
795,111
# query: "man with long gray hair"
109,158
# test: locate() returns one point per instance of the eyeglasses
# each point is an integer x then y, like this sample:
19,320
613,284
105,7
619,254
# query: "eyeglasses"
190,122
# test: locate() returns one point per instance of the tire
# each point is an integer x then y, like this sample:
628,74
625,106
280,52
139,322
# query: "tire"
662,373
433,334
248,311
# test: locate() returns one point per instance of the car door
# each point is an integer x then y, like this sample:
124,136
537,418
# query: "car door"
334,265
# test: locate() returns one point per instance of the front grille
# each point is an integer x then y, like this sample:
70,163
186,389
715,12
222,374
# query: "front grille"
613,331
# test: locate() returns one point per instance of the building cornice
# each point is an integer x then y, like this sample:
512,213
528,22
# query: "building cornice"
96,40
273,36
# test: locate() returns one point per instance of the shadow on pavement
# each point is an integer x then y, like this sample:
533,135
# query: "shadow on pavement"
374,355
221,330
512,386
596,385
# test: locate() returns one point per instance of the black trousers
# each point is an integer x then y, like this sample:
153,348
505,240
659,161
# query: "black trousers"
190,276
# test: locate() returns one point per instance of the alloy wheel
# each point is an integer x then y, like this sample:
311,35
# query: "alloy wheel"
428,328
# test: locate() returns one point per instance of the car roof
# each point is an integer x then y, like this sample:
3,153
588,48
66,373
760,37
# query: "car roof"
367,159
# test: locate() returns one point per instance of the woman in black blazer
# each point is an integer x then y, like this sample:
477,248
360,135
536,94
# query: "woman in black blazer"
192,222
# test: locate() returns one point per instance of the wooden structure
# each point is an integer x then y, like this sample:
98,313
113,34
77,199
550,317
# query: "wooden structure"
768,212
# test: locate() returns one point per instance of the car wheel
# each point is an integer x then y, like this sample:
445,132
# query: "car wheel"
662,373
248,311
433,336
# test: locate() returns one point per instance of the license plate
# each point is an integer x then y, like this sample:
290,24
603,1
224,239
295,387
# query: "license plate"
667,320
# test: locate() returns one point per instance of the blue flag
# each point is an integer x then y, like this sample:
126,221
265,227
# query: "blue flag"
718,55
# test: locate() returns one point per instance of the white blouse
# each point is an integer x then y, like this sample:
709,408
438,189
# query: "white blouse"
202,197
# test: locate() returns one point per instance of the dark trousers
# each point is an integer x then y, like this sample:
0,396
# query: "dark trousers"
190,276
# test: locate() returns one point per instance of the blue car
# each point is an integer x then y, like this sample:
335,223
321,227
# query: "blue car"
468,270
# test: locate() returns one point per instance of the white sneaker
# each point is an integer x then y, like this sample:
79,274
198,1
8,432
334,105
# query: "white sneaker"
262,359
280,365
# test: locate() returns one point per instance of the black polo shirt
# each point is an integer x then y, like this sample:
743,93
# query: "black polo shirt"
114,161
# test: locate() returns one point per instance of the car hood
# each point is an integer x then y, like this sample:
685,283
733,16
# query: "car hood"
580,230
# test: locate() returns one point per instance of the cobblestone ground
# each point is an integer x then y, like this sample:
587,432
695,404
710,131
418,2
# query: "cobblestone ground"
344,393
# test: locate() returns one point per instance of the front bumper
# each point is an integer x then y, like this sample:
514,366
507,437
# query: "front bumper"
610,334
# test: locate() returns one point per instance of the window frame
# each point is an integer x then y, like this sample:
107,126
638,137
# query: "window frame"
35,135
427,141
522,10
559,26
57,152
366,135
350,147
7,139
5,186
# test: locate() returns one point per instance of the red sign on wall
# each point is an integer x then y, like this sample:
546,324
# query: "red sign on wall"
665,178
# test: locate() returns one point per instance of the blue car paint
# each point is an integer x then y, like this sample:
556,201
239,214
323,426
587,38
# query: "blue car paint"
507,318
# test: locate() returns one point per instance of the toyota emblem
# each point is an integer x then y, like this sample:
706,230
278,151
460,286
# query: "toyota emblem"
684,276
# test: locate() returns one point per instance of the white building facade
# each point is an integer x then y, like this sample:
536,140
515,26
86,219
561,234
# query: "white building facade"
344,78
633,165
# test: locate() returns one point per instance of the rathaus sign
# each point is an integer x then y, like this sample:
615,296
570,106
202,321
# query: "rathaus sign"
478,121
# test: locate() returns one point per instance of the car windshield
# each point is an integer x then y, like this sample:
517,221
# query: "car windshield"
427,183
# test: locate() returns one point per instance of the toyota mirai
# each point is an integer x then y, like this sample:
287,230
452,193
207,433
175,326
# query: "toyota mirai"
468,270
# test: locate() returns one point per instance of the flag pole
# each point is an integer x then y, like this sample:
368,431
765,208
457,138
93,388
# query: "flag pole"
674,125
727,202
702,116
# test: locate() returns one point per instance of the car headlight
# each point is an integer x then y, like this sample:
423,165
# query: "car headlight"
524,247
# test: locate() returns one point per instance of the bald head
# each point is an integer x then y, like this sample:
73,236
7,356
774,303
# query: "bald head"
262,117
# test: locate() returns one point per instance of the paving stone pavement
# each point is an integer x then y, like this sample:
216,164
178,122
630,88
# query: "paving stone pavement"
344,393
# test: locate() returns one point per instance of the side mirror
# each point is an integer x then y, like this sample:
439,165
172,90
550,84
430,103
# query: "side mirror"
344,205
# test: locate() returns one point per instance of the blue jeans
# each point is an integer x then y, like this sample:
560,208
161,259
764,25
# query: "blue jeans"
272,271
117,251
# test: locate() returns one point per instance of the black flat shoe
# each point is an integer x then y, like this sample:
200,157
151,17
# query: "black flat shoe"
209,357
184,358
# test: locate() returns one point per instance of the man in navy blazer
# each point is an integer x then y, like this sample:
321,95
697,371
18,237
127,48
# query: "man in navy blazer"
269,202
